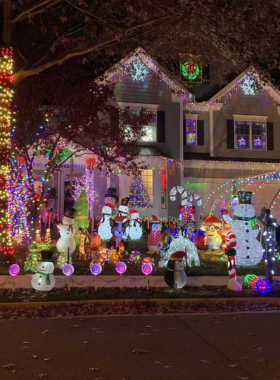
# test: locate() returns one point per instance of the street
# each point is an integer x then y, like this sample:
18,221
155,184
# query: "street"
196,347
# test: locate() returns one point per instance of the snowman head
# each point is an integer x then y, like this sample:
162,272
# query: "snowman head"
45,266
123,210
107,209
134,214
244,210
69,216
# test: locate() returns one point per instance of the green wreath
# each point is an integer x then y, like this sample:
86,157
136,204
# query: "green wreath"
190,70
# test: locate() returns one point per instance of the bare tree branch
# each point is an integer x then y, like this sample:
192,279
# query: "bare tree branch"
28,12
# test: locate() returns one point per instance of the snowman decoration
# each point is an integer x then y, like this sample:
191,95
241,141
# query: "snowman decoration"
175,276
135,231
44,279
249,249
104,229
66,243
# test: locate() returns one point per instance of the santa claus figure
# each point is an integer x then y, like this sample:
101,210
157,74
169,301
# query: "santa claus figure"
175,276
155,236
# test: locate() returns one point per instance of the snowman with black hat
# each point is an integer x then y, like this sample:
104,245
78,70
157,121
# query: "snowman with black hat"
249,249
44,279
175,276
66,243
111,197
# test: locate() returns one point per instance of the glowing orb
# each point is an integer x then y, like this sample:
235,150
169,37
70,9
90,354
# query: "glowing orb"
96,269
147,268
121,267
68,270
263,286
14,270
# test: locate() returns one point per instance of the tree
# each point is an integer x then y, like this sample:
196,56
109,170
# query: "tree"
46,33
138,194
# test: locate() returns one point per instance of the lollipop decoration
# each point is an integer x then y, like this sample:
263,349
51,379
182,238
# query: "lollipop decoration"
147,269
14,270
95,269
121,268
68,270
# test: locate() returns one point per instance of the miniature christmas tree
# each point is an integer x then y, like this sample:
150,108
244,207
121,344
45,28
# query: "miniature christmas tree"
81,218
138,194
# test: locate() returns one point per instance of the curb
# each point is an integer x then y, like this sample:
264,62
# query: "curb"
167,301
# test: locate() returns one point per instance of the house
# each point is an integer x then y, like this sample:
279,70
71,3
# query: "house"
213,147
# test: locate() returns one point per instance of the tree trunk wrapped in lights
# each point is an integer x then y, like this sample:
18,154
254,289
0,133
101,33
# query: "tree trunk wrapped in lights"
6,93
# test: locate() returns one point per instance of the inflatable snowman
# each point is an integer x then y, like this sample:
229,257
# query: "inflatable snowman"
175,276
44,279
66,243
249,249
135,231
104,229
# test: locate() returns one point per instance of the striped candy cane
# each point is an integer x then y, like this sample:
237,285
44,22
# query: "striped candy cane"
231,243
187,196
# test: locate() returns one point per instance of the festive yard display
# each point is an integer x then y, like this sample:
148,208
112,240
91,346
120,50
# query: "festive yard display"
248,249
44,279
135,257
175,276
155,236
212,226
68,270
82,250
111,197
66,243
114,256
95,269
104,228
135,230
231,243
138,194
14,270
185,245
118,229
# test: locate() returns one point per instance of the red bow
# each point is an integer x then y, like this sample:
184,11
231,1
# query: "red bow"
90,163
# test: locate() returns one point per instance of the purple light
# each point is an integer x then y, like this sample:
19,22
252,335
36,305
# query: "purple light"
14,270
121,267
96,269
147,268
68,270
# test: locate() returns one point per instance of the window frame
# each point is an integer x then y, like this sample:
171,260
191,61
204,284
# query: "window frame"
250,119
138,107
149,174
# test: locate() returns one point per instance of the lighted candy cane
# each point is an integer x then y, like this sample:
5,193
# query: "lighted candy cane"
56,216
231,243
95,269
121,268
187,196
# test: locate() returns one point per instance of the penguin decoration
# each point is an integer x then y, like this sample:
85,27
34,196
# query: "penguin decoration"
175,276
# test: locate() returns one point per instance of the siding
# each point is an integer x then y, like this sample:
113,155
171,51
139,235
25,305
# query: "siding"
260,104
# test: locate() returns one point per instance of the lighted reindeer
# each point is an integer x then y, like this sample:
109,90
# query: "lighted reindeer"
118,229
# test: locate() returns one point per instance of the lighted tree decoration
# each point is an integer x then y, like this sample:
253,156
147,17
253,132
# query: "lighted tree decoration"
81,217
138,194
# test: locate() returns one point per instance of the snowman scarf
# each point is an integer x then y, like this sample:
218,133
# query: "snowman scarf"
48,280
251,220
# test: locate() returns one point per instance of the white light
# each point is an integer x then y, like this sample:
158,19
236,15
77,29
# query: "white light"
140,71
247,86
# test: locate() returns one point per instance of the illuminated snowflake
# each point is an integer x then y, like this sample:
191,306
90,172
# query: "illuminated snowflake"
139,71
148,135
248,86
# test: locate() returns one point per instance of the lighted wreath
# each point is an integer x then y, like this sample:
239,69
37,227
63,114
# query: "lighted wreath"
190,70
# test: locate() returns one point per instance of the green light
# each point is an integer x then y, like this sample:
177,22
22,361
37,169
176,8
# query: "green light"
190,70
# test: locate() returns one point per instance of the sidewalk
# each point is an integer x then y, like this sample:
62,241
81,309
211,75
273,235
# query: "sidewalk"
114,281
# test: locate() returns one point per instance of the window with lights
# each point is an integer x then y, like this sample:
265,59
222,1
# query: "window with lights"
151,128
250,134
191,132
141,189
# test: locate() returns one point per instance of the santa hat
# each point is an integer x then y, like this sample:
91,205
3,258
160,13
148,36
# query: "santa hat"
109,205
120,219
120,244
231,241
94,249
211,219
133,212
178,255
155,219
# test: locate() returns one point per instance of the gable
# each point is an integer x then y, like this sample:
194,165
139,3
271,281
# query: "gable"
140,59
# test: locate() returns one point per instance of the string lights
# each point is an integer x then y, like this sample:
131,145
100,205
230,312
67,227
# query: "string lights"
6,118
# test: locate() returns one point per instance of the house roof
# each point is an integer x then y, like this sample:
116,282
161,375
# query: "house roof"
273,92
154,66
149,150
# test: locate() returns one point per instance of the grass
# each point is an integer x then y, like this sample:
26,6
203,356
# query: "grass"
88,293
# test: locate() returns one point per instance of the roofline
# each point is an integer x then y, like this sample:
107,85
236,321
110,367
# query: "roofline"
273,92
153,66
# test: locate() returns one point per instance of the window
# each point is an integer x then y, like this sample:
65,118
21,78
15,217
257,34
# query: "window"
151,128
250,132
191,132
145,183
163,189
